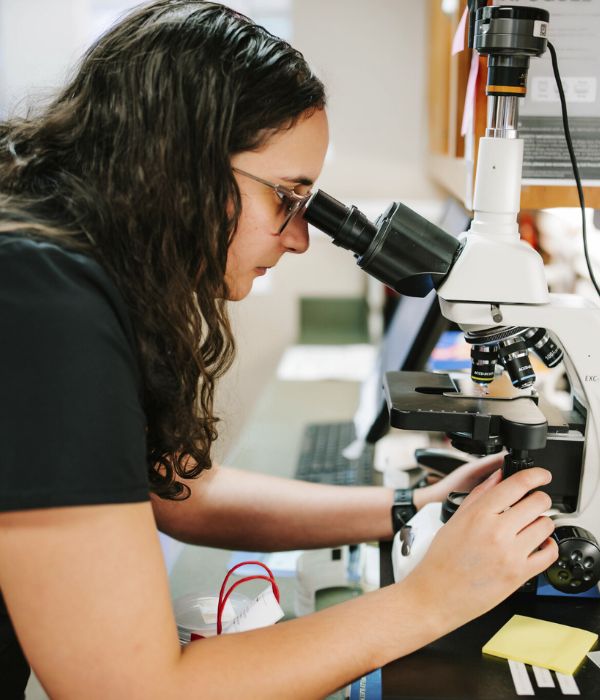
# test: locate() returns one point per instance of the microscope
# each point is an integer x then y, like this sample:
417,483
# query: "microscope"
493,286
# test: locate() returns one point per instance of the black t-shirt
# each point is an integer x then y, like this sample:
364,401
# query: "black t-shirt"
72,426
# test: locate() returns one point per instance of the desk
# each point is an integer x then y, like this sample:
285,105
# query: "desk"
269,443
453,668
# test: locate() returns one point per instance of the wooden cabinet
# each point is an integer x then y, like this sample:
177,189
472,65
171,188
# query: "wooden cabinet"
451,163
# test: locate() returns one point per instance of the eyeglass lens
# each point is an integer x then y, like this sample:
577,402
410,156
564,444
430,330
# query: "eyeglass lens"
294,206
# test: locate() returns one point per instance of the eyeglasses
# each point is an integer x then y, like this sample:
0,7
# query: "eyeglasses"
292,201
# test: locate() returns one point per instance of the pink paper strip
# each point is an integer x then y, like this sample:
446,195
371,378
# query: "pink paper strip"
469,109
458,43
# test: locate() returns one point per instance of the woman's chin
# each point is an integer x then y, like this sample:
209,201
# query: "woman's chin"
239,289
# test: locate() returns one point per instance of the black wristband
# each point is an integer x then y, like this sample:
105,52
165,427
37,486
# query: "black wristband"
403,508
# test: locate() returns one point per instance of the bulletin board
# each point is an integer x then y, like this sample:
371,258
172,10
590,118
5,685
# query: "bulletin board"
574,31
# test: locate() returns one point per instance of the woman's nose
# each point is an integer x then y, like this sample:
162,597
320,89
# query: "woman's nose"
294,236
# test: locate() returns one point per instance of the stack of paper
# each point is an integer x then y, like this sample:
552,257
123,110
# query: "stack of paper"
540,643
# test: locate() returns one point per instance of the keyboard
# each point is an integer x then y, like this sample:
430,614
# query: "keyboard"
321,458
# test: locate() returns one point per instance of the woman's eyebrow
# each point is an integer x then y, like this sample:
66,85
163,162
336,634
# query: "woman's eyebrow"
300,180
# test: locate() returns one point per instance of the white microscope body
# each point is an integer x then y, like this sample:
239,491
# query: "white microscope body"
498,282
494,287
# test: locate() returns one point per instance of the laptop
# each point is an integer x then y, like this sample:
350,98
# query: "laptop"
343,452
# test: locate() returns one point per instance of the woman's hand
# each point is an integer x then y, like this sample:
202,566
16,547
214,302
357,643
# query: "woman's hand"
496,541
464,478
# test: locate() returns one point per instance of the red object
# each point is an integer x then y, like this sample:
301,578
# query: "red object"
528,229
223,597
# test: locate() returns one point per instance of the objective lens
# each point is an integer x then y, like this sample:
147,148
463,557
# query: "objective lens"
539,340
483,363
515,358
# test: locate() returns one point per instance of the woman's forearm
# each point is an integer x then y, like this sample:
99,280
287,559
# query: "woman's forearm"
245,510
313,656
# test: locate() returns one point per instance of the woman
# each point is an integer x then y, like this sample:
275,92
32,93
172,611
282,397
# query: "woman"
132,208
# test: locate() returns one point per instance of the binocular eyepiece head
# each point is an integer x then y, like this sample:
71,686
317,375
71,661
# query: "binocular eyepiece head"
413,256
401,249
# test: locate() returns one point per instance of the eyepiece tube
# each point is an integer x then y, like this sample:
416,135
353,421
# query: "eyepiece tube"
348,226
325,212
401,249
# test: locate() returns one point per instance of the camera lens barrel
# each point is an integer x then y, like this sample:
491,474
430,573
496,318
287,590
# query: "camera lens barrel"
509,36
511,31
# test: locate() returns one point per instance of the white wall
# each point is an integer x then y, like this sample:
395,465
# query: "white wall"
39,41
371,55
42,40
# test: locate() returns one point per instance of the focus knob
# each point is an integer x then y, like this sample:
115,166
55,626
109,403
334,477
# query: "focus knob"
577,568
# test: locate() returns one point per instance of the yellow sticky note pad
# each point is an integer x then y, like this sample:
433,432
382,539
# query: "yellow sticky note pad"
540,643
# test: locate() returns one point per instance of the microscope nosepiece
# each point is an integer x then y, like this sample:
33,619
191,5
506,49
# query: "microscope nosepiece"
506,347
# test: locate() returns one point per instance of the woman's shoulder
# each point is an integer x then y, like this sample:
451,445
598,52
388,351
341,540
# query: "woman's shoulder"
46,260
53,278
72,406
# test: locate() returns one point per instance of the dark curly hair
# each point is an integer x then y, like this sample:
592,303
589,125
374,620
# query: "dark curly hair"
131,164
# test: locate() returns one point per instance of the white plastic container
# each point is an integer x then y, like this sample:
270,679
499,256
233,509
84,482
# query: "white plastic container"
196,613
